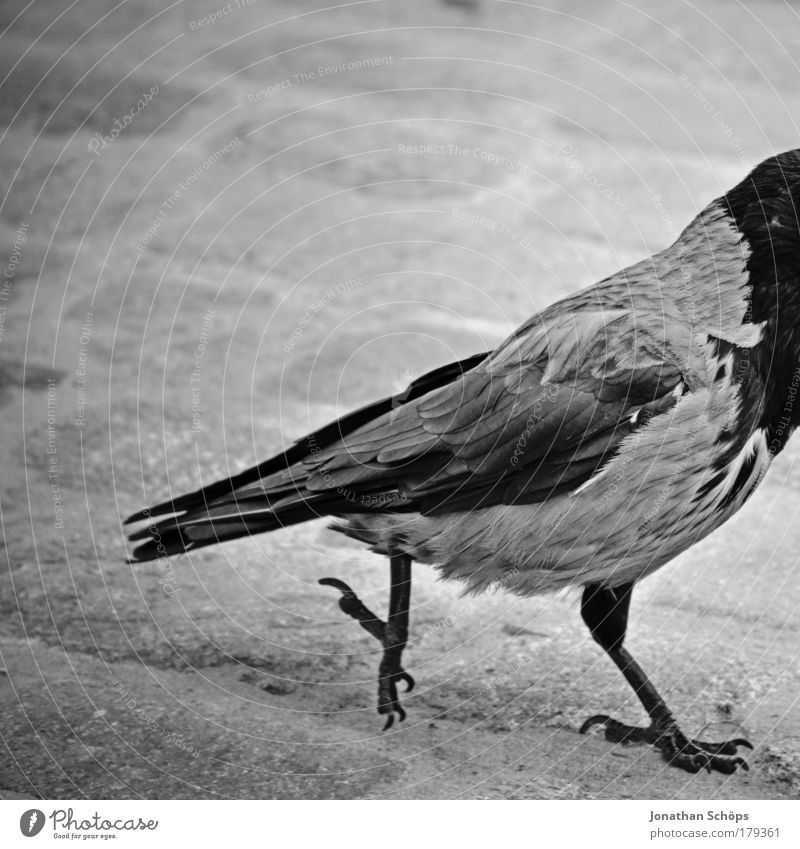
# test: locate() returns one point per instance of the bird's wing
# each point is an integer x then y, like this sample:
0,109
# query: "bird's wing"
332,433
541,414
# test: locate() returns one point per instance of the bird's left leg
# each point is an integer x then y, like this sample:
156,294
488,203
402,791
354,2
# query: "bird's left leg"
605,611
392,634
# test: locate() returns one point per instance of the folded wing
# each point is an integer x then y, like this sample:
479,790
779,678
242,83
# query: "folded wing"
540,415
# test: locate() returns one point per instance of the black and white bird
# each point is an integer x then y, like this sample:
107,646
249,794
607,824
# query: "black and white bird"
608,434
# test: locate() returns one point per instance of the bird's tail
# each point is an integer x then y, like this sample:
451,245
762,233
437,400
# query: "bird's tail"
271,495
201,527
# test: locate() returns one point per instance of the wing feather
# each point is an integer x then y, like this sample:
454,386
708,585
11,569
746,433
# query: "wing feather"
512,428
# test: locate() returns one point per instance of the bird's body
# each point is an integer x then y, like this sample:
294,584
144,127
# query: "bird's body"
643,408
585,449
608,434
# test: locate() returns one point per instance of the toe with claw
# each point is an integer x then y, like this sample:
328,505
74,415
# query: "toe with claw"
677,749
388,699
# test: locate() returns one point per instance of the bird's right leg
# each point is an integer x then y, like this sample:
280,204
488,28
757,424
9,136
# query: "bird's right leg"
605,611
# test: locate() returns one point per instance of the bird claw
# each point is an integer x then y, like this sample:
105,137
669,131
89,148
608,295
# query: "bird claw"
336,584
676,748
388,699
407,680
391,710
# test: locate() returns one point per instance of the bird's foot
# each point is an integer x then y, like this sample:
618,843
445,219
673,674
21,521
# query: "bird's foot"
388,699
390,672
677,749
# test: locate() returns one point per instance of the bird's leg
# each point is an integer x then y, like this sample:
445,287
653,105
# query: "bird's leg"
391,670
605,611
392,634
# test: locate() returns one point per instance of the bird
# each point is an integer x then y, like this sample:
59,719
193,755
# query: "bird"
610,432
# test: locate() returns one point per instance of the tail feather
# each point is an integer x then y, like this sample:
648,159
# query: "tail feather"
250,503
176,536
316,441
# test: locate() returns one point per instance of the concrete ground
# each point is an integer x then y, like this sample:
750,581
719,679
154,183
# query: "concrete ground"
306,208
